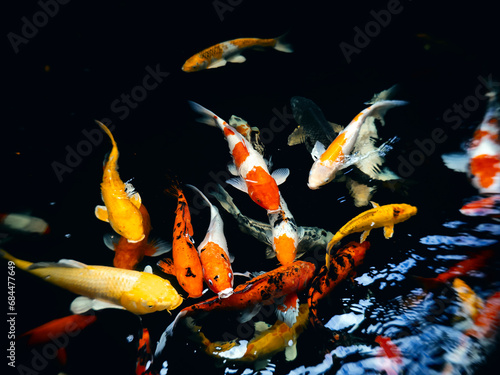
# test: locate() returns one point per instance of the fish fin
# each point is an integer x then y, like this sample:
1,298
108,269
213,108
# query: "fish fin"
101,212
167,266
282,44
261,327
83,304
270,252
231,167
111,240
361,193
364,235
261,364
249,313
238,183
168,332
157,247
289,310
336,127
374,205
62,356
136,200
291,352
207,116
217,64
236,59
318,150
379,108
388,231
280,175
65,263
457,161
148,269
245,274
297,137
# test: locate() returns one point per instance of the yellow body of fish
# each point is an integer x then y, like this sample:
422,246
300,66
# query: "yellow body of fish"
138,292
264,345
122,204
471,303
377,217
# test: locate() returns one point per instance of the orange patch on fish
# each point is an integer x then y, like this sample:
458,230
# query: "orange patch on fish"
216,267
485,167
285,249
334,151
228,131
262,189
240,153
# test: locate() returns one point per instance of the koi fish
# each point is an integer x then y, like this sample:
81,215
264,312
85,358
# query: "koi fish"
219,54
214,255
254,178
470,303
121,201
308,237
483,207
185,264
56,328
481,161
264,289
462,268
137,292
24,223
328,161
390,349
268,341
377,217
342,265
129,254
487,321
144,355
251,133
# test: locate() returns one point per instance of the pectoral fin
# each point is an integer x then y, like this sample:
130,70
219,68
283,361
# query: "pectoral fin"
280,175
217,64
318,150
236,59
101,212
388,231
83,304
167,266
136,200
238,183
364,235
291,352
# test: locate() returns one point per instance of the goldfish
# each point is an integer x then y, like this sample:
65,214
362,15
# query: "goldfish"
268,341
254,178
129,254
185,264
214,255
377,217
24,223
137,292
53,330
328,161
121,201
264,289
481,161
462,268
487,206
218,55
342,265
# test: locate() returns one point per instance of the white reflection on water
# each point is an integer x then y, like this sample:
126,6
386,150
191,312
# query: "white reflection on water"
461,240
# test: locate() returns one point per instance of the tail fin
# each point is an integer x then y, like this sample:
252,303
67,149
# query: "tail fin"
22,264
282,44
379,109
207,116
225,200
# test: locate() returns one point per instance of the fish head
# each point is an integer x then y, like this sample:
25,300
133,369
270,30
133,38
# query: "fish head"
221,282
319,175
402,212
286,249
194,64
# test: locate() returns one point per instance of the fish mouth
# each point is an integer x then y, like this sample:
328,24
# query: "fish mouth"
225,293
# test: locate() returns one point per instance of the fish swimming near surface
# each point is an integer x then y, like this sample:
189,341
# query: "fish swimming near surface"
268,341
470,303
336,156
489,206
137,292
481,161
342,264
218,55
185,264
264,289
23,223
214,254
377,217
121,201
249,165
129,254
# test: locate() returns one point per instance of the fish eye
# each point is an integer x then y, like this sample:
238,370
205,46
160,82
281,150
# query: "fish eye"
210,282
230,275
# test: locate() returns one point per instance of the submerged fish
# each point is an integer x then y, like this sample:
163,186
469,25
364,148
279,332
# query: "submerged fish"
251,133
489,206
377,217
23,223
138,292
470,303
342,265
122,203
254,178
219,54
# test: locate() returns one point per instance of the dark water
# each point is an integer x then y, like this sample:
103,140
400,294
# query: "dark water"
77,67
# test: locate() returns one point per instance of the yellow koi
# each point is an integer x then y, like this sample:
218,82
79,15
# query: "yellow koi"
376,217
138,292
470,303
122,203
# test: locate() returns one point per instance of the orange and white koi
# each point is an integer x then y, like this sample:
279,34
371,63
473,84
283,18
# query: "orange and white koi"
129,254
218,55
138,292
254,178
185,264
327,162
122,203
377,217
482,158
489,206
251,133
342,265
214,255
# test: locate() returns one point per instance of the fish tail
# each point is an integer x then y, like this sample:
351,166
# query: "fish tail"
114,151
175,187
207,116
201,194
22,264
282,44
225,200
379,109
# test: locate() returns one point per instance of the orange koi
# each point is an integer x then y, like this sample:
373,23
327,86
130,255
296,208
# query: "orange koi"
327,162
218,55
487,322
214,255
342,265
121,202
144,355
185,264
254,178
